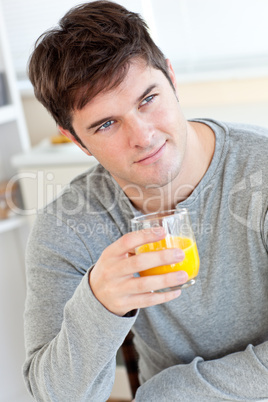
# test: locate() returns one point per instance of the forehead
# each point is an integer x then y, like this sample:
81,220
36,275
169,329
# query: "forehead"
116,102
137,78
106,82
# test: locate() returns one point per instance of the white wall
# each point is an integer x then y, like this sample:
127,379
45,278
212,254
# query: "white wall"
196,35
237,100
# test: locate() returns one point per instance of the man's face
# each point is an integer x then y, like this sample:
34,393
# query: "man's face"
136,131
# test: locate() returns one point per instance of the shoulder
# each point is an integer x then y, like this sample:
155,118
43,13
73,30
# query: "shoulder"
84,194
248,132
249,128
249,144
246,144
90,213
234,136
236,128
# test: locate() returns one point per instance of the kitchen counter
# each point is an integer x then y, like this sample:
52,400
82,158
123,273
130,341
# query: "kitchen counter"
45,154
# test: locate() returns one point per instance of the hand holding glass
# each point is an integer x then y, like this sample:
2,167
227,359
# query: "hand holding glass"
179,234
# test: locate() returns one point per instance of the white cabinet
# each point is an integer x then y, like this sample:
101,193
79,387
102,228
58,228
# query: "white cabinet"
13,232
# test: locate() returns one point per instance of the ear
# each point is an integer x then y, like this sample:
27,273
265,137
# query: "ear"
71,137
172,74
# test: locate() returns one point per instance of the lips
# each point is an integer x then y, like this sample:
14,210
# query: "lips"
153,156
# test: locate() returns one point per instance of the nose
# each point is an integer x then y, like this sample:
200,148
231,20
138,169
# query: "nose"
140,132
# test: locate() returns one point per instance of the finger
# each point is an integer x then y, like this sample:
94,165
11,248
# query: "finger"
132,240
152,299
143,285
151,259
136,301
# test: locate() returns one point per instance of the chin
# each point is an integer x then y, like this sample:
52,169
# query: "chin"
160,181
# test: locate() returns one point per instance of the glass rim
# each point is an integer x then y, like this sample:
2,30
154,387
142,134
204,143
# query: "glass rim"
159,214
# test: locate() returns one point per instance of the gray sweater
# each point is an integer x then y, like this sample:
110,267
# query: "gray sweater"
211,343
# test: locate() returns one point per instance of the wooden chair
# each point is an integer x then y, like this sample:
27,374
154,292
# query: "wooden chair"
130,357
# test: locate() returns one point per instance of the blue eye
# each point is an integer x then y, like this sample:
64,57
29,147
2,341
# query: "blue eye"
147,100
106,125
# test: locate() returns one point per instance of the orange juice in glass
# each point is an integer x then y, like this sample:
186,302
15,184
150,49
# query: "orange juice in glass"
179,234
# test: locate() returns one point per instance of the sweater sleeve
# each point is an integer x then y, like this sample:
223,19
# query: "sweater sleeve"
71,339
242,376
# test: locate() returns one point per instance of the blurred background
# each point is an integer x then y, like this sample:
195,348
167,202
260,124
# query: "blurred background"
219,51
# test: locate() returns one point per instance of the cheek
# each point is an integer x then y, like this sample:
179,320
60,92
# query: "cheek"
167,119
107,152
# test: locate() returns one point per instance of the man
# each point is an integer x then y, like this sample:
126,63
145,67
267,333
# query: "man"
112,92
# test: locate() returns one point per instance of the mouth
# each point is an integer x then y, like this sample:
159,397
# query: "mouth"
153,156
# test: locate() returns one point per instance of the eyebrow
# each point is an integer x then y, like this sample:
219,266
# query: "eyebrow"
104,120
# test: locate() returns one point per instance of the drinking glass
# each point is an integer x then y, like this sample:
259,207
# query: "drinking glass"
179,234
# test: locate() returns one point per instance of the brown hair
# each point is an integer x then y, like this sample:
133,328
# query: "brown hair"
88,52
